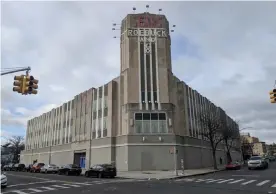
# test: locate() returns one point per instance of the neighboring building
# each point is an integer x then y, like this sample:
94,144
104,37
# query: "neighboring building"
259,148
271,149
135,120
250,139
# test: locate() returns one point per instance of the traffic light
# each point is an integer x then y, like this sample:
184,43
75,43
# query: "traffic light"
30,85
18,83
273,96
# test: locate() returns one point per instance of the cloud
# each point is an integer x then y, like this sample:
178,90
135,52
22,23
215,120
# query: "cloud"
56,88
225,50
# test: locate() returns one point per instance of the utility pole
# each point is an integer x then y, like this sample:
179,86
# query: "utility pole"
50,154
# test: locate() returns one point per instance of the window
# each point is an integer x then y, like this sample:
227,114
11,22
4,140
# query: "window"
105,102
151,123
154,122
94,105
104,123
100,104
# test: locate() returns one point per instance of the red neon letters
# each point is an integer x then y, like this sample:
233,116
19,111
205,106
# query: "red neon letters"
148,22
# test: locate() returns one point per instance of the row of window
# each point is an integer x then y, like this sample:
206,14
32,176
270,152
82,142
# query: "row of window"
150,123
100,124
150,116
144,123
100,105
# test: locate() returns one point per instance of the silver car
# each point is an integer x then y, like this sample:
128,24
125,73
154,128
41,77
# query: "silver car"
49,168
257,162
4,180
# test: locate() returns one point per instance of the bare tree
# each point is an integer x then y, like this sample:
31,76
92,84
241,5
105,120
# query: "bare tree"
230,135
16,145
247,148
212,130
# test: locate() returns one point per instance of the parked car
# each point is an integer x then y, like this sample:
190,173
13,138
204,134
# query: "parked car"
5,167
28,168
101,170
272,158
69,169
36,167
233,166
52,168
9,167
18,167
257,162
4,180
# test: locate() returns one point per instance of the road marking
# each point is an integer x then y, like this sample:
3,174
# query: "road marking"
15,191
248,175
248,182
84,183
188,180
48,188
274,185
71,185
22,184
59,186
28,177
262,183
215,180
236,181
36,190
225,181
200,180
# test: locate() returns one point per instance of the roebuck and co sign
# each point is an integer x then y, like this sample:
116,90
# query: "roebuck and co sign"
156,32
147,34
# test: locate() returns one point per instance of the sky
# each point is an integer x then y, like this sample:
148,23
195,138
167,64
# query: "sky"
224,50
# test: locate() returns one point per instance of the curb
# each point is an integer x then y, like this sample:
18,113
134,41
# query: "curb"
199,174
172,178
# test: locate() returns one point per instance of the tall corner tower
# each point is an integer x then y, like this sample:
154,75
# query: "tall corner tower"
146,60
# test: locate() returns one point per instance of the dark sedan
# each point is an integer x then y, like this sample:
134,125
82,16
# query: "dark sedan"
70,169
102,170
18,167
28,168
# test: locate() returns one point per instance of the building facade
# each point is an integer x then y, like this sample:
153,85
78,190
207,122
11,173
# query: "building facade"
136,119
259,149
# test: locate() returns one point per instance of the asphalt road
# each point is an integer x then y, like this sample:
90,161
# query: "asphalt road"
240,182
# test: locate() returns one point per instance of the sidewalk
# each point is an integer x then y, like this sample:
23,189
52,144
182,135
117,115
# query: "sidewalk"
163,175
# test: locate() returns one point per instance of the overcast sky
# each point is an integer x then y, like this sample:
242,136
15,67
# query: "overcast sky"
225,50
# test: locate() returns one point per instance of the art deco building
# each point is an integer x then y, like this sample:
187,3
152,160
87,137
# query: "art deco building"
135,120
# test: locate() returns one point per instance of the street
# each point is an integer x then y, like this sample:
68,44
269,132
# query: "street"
224,182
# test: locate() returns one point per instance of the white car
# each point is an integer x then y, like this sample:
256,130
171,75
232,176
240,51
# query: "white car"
257,162
52,168
4,180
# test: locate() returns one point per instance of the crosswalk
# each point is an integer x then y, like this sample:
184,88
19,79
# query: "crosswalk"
54,186
242,182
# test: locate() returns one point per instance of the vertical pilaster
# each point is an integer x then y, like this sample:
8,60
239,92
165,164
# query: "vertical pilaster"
102,119
151,77
139,64
145,72
157,73
97,112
